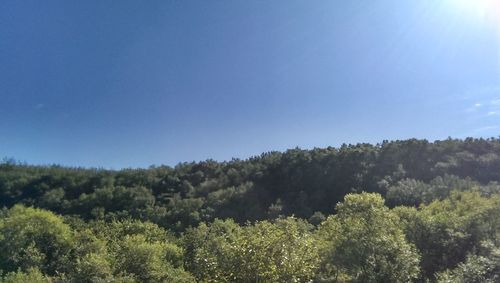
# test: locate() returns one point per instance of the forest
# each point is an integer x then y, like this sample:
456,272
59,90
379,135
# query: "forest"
398,211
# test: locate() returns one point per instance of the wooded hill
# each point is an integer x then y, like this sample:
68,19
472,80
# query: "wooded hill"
399,211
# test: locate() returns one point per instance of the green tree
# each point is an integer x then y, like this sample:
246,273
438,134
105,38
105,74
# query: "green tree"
31,275
211,251
92,261
477,268
149,261
364,242
34,238
280,251
446,231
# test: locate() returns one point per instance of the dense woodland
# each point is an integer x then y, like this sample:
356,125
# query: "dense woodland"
399,211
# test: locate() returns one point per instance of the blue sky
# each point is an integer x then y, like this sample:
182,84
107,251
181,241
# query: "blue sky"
131,83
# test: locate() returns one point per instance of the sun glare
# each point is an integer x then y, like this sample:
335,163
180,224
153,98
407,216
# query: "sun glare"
484,10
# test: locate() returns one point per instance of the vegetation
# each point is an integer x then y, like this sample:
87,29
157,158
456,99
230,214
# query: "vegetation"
402,211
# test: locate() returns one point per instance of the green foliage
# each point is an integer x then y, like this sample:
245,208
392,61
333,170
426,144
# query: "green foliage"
283,251
317,218
212,251
31,275
137,225
296,182
116,230
92,267
92,262
115,201
150,261
412,192
446,231
364,243
138,251
482,268
34,238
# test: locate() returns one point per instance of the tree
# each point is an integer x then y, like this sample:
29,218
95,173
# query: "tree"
34,238
211,251
446,231
364,242
280,251
150,261
30,275
481,268
92,261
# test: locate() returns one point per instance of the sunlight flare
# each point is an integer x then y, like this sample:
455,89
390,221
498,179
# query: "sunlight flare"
487,10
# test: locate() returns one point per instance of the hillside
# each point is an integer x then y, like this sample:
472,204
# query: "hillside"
397,211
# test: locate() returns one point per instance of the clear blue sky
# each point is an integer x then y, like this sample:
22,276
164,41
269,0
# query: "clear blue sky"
133,83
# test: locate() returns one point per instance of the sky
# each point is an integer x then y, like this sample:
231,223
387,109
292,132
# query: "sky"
118,84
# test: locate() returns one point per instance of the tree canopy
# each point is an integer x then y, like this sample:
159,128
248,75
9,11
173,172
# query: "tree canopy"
401,211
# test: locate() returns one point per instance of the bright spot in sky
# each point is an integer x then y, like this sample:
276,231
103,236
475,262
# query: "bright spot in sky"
482,14
487,10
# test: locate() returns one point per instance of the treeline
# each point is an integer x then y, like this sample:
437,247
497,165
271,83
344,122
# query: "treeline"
401,211
296,182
